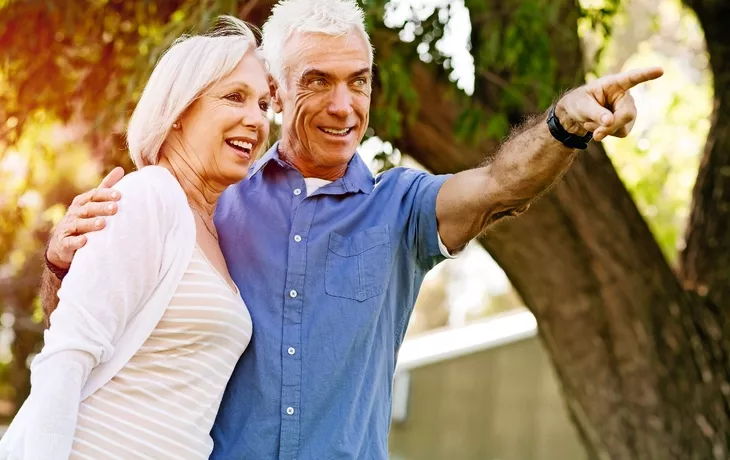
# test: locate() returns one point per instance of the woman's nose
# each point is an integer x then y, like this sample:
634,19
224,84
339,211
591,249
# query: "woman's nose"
255,119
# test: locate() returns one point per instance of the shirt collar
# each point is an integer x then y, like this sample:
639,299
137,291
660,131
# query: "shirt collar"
357,178
271,155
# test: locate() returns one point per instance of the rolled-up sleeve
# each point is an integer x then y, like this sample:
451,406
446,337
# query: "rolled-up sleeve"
422,230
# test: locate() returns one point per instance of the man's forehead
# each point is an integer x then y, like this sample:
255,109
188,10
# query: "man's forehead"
305,50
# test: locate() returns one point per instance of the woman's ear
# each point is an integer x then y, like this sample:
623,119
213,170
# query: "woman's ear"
275,95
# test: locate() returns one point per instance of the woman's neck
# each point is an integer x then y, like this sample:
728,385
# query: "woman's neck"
202,194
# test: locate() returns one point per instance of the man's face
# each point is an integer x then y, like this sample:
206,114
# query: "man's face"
325,100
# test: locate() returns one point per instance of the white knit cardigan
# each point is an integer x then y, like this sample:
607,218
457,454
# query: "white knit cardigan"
118,287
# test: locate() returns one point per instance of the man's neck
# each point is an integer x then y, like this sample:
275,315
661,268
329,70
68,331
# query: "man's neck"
308,170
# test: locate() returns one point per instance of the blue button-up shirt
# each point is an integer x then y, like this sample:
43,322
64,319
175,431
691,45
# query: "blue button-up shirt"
330,280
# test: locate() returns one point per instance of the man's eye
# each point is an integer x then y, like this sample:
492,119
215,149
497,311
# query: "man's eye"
318,82
361,82
235,97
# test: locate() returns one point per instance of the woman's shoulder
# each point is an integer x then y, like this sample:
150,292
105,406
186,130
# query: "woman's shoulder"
153,187
150,179
152,207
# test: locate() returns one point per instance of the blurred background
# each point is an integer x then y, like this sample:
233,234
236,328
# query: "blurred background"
576,331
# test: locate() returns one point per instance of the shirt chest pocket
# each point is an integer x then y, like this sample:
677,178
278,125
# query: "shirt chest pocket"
357,265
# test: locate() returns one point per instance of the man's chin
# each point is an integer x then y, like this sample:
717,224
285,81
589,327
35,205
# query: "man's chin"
341,155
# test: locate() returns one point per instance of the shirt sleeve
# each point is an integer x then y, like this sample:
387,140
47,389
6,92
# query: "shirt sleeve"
422,229
445,251
109,280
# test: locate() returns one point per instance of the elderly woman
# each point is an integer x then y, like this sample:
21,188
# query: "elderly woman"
149,325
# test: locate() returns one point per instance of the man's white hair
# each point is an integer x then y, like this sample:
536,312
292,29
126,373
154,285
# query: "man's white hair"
190,66
330,17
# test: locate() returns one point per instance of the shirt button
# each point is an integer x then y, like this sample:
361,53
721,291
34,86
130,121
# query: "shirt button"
290,410
297,191
292,293
291,350
297,238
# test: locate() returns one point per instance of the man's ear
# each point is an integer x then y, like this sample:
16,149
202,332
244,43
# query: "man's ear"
275,95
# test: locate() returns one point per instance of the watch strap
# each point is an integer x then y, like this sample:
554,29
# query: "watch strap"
572,141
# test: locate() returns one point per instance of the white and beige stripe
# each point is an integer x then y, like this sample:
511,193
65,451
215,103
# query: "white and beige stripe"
162,404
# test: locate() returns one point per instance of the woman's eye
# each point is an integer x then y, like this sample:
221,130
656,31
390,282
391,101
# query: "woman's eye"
264,105
235,97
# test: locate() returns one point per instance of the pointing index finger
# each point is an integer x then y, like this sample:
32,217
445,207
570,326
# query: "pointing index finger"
631,78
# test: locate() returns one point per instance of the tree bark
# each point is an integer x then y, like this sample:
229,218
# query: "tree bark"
705,261
641,362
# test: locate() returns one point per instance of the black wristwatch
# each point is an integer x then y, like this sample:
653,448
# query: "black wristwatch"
569,140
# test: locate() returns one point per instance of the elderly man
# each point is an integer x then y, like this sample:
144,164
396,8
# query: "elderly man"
329,258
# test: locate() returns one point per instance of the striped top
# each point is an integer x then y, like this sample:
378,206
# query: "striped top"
162,404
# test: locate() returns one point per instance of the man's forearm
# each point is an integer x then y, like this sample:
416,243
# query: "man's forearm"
532,160
526,165
49,289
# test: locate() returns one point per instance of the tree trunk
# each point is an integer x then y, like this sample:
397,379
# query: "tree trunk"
705,262
641,362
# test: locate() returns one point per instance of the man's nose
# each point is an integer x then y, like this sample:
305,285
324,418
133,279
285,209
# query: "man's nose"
341,103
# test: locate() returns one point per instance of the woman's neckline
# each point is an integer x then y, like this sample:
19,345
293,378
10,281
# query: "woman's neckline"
234,288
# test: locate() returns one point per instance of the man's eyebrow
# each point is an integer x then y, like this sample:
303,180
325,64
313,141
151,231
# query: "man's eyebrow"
309,73
364,72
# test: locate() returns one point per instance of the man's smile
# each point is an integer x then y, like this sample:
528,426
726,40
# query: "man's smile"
341,132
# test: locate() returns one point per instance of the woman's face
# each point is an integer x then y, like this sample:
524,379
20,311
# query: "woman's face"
224,130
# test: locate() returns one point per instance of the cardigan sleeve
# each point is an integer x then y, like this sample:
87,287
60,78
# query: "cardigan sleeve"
109,281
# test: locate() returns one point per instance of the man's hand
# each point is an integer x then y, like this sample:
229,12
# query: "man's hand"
532,160
603,106
83,216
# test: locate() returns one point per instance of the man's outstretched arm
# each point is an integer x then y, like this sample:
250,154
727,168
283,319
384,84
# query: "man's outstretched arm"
86,214
531,160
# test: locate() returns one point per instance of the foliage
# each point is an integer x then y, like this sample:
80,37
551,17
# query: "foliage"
34,179
72,71
396,102
69,76
597,17
658,162
87,60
